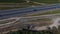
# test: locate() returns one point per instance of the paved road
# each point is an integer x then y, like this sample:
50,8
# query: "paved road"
25,19
24,11
9,22
19,12
55,19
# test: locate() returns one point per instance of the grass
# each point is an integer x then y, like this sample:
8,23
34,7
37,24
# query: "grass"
41,22
4,6
48,31
49,12
47,1
42,19
12,1
21,1
30,32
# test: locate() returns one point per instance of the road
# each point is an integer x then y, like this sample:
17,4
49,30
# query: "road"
7,27
25,19
24,11
19,12
8,22
55,19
